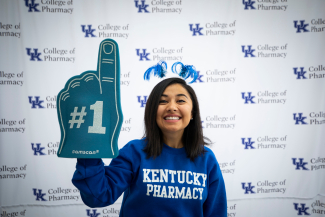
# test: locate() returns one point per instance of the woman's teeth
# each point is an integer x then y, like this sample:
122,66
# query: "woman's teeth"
172,118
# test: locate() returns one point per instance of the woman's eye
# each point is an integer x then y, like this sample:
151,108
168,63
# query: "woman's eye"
162,101
181,100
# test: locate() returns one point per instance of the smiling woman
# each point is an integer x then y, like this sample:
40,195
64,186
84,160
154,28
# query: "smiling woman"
174,111
173,99
169,172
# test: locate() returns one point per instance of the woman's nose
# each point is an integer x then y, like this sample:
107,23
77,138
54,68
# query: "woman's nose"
172,106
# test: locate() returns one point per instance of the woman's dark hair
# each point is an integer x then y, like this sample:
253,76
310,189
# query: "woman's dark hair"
193,138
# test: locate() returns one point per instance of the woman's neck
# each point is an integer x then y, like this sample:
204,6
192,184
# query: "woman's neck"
173,140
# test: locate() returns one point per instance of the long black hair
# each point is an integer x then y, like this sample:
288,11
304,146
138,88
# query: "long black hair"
193,138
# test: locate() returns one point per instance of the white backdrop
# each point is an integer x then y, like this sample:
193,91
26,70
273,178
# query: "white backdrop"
261,92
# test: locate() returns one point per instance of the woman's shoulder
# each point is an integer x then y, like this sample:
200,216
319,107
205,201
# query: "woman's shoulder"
211,162
209,155
208,151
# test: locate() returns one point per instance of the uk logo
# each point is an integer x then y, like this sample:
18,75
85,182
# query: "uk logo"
141,7
302,210
300,74
38,149
143,55
39,195
37,102
31,6
196,30
299,118
4,214
249,188
249,4
88,31
94,214
301,164
248,98
249,51
199,77
301,27
248,144
142,101
34,55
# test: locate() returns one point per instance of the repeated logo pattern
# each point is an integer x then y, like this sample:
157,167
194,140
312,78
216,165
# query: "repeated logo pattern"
300,27
302,210
248,52
37,149
299,164
32,6
37,103
299,119
39,195
142,8
88,32
249,4
93,214
142,101
196,29
249,188
144,55
33,56
249,98
248,144
215,76
300,74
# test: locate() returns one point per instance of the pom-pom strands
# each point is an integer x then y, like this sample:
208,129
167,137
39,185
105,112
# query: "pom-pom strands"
185,71
159,70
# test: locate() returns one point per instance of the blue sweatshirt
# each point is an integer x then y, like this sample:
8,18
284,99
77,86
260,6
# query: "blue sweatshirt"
169,185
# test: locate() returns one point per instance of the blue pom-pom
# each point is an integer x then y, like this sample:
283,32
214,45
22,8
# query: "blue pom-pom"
158,70
185,71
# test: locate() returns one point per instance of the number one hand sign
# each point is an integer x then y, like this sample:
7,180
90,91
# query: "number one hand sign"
89,109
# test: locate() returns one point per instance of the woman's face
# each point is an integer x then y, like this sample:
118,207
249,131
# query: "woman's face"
174,110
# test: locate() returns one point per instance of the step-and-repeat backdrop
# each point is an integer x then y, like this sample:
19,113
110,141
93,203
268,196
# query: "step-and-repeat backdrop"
261,88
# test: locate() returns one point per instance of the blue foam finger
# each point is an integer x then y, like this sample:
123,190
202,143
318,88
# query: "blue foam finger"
89,109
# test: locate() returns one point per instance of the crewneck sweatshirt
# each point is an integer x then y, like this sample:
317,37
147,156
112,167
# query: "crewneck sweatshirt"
169,185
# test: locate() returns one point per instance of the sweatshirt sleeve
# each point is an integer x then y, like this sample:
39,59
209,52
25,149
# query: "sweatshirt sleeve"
101,185
216,202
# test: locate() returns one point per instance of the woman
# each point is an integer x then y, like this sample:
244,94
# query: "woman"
167,173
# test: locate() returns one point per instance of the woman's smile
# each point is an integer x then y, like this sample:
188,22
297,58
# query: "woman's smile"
172,118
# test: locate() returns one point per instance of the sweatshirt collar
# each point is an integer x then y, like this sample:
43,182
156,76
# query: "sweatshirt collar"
171,150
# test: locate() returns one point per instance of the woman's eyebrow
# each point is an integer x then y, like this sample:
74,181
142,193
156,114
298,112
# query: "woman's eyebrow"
181,94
